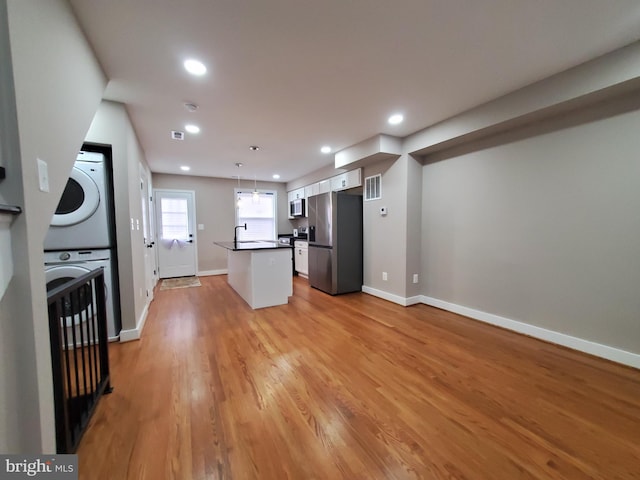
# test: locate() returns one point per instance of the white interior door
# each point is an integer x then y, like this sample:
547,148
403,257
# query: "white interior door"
175,223
149,243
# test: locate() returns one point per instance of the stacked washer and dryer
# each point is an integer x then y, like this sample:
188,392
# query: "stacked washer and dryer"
80,238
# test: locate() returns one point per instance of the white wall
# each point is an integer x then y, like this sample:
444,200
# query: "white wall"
543,230
112,126
481,211
58,86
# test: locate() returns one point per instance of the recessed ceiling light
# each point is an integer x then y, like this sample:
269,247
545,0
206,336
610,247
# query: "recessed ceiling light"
195,67
254,148
326,149
276,176
395,119
184,168
192,128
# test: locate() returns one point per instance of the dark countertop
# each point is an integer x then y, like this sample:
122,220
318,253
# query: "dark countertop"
251,245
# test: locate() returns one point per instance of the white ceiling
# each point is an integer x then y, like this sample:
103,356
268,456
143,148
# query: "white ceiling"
293,75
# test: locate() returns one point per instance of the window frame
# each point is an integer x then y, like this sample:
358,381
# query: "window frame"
262,191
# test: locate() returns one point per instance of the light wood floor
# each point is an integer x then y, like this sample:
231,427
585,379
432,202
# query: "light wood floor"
353,387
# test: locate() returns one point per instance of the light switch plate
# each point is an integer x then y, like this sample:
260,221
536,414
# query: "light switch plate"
201,226
43,176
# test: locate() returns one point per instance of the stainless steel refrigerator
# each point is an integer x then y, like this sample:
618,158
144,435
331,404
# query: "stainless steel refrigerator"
335,242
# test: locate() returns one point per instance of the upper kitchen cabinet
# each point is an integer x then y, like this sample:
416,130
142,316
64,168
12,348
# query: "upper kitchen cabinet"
324,186
296,194
344,181
309,190
313,189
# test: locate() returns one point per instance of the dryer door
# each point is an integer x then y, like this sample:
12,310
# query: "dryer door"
74,311
79,201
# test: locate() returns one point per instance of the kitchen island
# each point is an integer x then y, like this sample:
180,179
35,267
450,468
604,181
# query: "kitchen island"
260,271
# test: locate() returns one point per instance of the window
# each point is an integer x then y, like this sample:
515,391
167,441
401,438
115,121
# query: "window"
258,212
175,218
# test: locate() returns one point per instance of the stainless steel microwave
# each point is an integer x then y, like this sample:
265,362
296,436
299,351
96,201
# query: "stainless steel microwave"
296,207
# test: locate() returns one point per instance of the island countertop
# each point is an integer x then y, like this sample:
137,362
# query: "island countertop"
252,245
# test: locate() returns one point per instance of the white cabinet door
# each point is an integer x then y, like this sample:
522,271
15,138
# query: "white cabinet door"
296,194
339,182
344,181
312,189
324,186
354,178
301,256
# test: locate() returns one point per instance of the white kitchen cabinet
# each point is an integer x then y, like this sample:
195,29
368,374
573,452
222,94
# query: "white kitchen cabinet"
296,194
344,181
339,182
310,190
354,178
301,257
324,186
313,189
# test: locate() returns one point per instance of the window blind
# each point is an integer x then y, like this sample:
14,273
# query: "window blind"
259,213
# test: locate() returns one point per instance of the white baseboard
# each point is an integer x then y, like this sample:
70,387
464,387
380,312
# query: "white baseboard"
603,351
135,333
207,273
575,343
404,301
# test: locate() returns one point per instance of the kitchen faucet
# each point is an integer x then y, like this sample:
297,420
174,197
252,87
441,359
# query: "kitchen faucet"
235,234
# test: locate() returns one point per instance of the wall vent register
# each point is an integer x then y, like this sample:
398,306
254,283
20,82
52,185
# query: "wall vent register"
373,187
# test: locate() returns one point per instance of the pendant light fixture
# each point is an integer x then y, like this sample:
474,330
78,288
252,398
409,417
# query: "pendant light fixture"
239,199
256,195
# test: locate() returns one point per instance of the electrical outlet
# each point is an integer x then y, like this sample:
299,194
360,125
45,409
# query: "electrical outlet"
385,276
415,278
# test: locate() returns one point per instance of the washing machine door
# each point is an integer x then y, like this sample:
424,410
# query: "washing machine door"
79,201
74,312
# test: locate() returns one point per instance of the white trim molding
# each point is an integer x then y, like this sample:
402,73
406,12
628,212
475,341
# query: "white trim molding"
208,273
391,297
603,351
586,346
135,333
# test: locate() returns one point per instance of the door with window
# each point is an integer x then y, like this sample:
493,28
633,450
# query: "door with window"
175,226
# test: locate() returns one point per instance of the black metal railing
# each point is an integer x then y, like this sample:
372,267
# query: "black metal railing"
79,354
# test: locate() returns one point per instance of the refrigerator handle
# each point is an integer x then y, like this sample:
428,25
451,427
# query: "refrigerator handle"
311,233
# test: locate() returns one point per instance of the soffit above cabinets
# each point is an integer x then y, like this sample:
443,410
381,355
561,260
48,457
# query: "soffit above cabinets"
370,151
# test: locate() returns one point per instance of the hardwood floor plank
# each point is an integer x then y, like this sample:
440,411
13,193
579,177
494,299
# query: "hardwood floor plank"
353,387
